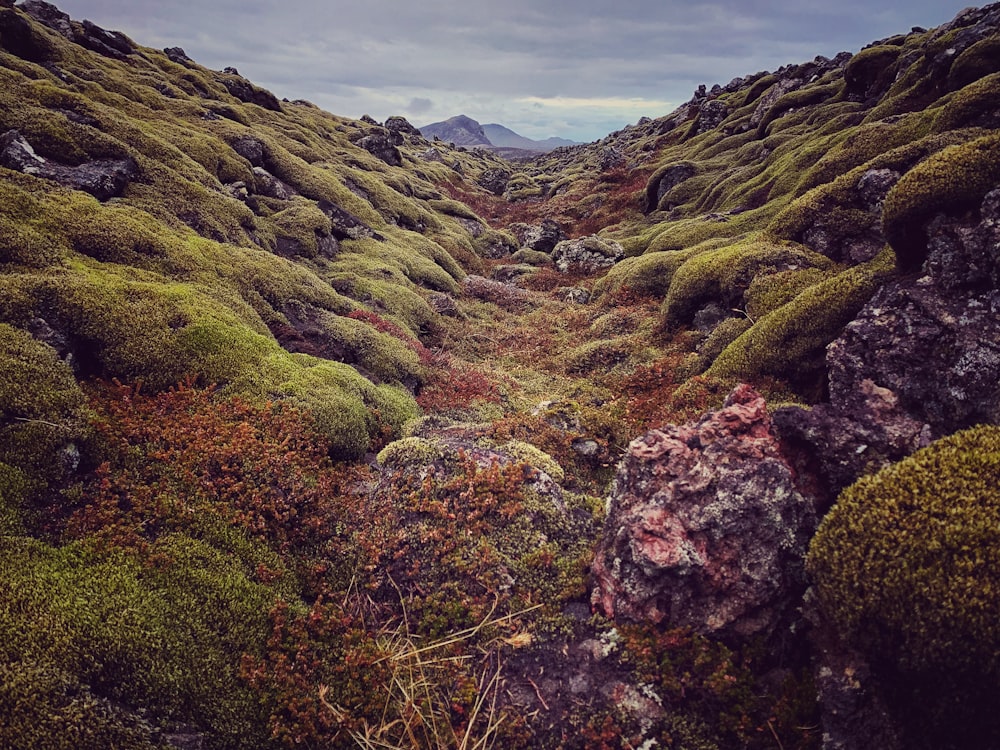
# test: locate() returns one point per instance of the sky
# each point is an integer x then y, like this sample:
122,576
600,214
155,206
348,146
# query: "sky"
577,69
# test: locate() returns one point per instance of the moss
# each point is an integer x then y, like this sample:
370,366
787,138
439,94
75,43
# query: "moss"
41,415
908,561
975,62
872,70
453,208
349,410
382,355
721,336
723,275
522,452
953,180
768,292
966,107
789,342
303,223
46,708
532,257
409,452
164,640
809,95
596,356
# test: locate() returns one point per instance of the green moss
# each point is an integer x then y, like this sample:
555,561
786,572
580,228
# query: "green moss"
872,70
955,179
349,410
907,564
532,257
768,292
723,275
975,62
45,708
806,96
41,415
523,452
303,223
409,452
453,208
789,343
164,640
965,107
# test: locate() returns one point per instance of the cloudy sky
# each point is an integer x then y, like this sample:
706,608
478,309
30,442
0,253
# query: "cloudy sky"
573,68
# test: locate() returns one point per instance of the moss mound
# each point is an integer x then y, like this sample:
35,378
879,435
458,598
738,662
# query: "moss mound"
908,561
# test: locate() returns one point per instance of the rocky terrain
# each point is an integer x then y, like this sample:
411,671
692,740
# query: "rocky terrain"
318,433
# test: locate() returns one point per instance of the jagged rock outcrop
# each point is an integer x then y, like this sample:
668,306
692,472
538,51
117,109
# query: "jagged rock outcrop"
382,144
102,178
495,180
705,526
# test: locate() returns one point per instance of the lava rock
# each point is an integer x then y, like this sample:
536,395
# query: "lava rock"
381,145
587,254
20,39
543,237
495,180
397,124
705,526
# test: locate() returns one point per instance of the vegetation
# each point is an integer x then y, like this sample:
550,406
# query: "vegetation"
302,448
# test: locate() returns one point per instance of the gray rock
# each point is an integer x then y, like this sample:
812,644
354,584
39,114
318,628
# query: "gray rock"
399,124
382,146
543,237
711,114
268,185
587,254
495,180
250,149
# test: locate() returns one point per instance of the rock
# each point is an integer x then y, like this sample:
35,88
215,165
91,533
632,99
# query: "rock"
610,157
49,15
500,293
102,178
113,44
495,180
432,154
177,55
245,91
711,114
543,237
250,149
671,178
344,224
965,252
705,527
573,294
444,304
397,124
854,714
937,350
874,185
862,432
587,254
268,185
380,145
771,96
20,39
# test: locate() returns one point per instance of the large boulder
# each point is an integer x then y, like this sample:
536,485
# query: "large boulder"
543,237
705,526
382,145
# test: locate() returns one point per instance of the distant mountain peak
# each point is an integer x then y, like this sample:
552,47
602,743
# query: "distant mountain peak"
462,130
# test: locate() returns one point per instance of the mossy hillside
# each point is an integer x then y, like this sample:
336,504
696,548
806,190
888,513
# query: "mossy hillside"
954,179
789,343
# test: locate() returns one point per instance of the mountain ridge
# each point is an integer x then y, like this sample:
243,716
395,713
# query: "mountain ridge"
465,131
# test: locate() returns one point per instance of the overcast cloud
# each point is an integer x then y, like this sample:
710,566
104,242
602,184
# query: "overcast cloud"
573,68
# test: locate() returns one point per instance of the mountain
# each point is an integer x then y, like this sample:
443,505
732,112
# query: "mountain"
460,130
464,131
315,432
505,137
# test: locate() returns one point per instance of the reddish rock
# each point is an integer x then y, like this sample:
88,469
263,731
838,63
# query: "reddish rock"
705,527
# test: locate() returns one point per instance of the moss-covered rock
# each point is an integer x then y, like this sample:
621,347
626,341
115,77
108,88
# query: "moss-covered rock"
952,180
